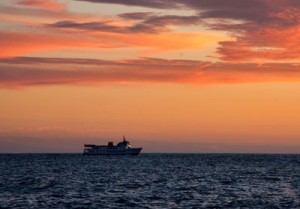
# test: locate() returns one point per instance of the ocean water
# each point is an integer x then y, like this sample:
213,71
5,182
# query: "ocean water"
150,181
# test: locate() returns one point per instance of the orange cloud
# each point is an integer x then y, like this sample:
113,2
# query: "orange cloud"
22,43
16,44
263,44
170,41
44,4
20,72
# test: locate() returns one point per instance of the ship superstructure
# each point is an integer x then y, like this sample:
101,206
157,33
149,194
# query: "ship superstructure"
122,148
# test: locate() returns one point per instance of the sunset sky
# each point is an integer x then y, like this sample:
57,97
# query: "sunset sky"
172,75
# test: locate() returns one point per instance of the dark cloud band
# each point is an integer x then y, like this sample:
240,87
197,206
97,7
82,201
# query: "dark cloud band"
31,71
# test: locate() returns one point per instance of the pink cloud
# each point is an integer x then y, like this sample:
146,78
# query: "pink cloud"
44,4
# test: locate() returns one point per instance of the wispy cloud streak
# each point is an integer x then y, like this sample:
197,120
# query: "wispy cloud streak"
30,71
151,23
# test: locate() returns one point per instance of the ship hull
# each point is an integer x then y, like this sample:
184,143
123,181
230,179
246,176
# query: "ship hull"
132,151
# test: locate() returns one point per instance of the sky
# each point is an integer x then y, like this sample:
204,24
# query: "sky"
200,76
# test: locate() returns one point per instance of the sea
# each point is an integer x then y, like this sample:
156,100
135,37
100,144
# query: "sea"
150,181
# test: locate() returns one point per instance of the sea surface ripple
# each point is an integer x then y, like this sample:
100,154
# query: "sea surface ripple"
150,181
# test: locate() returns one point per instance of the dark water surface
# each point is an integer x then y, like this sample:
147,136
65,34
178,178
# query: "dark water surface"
150,181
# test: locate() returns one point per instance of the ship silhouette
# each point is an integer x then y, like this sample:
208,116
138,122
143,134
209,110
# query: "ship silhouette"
122,148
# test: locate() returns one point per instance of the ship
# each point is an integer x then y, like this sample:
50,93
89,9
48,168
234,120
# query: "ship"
122,148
